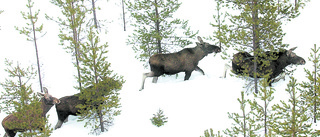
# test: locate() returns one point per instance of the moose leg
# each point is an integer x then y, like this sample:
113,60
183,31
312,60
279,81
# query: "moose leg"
66,120
199,69
226,68
188,74
144,76
155,79
62,118
59,124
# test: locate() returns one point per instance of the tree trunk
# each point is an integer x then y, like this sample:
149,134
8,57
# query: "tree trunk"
36,47
76,46
123,16
265,115
255,42
94,14
101,120
244,115
315,89
158,27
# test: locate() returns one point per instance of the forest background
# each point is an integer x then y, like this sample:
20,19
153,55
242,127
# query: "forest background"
59,72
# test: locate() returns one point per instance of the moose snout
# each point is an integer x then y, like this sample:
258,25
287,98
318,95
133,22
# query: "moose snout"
302,62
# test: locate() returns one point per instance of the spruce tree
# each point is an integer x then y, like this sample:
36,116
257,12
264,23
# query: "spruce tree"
244,123
31,31
19,97
291,117
311,87
100,86
255,27
72,27
156,31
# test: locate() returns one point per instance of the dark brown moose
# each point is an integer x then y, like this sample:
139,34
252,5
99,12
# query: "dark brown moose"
68,104
243,60
67,107
185,60
47,101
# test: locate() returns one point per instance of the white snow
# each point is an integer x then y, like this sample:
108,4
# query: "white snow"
191,106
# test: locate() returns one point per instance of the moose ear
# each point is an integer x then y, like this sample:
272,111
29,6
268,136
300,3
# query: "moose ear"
45,90
56,101
200,39
290,51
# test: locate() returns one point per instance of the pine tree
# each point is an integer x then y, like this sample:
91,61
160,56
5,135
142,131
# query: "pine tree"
72,27
244,124
101,86
19,97
159,119
220,24
156,31
291,117
31,30
311,88
255,27
262,112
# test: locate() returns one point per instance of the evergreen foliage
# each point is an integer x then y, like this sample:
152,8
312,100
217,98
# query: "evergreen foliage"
261,109
72,27
156,31
159,119
244,123
210,133
291,117
311,88
19,97
101,86
31,30
219,36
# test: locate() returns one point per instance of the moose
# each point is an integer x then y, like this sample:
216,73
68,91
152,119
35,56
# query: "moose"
67,107
47,101
68,104
185,60
243,61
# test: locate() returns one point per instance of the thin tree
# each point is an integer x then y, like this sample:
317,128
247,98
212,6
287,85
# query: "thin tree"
72,27
156,31
312,86
291,116
261,109
219,36
93,3
101,85
123,16
244,122
31,30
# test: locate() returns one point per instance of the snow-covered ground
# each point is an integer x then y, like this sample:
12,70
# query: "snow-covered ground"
191,106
